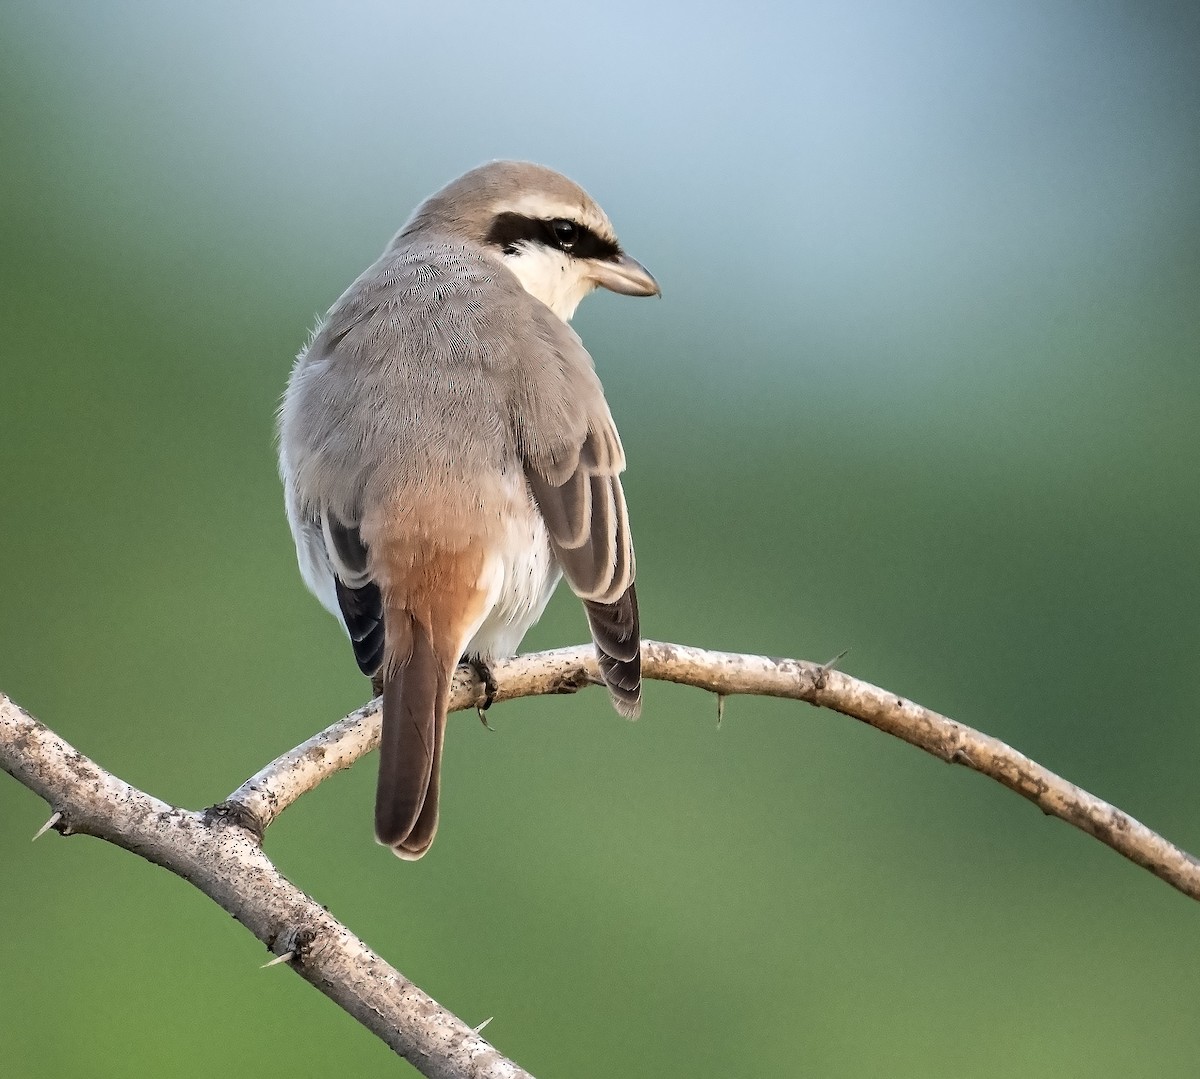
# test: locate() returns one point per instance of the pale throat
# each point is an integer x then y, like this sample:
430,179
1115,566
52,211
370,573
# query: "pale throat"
552,277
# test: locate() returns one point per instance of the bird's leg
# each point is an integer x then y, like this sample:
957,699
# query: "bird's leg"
377,684
484,673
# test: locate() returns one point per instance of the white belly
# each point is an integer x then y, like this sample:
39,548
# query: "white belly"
520,576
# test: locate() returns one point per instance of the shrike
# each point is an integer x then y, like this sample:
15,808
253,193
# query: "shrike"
447,455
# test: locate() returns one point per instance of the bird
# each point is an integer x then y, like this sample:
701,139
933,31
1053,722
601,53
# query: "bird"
447,455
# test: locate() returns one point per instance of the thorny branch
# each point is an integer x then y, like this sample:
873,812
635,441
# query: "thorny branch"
219,849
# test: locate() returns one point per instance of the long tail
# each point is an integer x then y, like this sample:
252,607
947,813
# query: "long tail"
415,695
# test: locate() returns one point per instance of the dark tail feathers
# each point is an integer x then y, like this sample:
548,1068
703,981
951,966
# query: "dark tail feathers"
415,695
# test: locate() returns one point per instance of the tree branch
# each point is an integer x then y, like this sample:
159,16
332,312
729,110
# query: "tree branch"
226,862
264,796
219,850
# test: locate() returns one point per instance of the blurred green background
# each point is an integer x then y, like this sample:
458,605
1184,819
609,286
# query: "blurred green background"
924,385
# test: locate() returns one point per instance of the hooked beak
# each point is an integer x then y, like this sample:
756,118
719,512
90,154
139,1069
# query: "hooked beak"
624,275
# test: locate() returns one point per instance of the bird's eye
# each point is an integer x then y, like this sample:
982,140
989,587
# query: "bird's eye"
566,233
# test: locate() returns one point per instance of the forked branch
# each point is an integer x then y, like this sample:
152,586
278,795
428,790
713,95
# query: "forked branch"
219,849
264,796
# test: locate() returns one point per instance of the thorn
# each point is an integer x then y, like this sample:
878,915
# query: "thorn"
720,708
483,1024
54,819
287,957
829,664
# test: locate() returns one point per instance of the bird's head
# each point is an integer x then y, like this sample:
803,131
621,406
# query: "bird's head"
547,230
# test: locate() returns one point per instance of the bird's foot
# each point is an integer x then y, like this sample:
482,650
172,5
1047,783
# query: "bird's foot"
484,673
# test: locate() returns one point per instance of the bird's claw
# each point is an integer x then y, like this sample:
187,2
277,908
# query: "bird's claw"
484,673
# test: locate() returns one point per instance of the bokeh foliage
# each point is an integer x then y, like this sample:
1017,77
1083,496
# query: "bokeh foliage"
924,385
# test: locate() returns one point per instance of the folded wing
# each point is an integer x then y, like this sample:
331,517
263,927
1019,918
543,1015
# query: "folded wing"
577,486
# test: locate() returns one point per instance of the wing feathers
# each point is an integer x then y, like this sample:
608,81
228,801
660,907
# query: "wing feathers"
357,594
347,553
624,566
567,509
362,611
588,522
618,646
